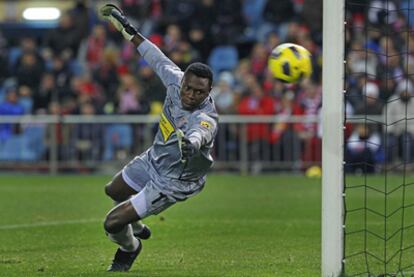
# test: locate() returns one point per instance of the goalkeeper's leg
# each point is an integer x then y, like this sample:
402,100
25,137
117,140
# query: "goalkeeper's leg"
119,191
119,225
118,228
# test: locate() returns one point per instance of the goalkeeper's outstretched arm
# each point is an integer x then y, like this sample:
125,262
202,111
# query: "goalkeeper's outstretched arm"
113,14
168,71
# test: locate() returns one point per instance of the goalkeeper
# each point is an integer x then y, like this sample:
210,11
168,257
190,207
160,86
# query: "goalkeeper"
174,168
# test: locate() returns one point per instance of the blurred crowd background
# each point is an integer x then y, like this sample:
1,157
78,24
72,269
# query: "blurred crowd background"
83,66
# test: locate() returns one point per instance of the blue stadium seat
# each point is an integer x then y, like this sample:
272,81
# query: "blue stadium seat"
223,58
13,55
35,139
253,12
117,137
26,103
28,146
15,149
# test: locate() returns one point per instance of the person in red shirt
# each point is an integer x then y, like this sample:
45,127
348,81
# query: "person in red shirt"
255,102
310,101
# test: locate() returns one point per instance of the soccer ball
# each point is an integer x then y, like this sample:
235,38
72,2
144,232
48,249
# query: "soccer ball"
290,63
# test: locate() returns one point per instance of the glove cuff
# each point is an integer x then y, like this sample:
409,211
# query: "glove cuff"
195,141
129,32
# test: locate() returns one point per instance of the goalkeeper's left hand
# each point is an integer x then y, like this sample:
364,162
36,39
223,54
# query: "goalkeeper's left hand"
187,148
117,18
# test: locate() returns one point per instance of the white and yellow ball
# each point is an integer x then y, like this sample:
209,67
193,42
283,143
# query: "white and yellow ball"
290,63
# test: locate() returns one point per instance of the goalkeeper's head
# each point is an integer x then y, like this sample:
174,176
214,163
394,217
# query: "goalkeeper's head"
196,85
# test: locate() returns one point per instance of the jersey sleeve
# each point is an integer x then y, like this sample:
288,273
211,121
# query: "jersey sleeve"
168,71
202,130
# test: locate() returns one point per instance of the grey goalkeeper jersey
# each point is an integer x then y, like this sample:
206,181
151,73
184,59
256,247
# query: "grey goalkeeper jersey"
199,125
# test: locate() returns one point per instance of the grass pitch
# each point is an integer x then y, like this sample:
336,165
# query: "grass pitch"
238,226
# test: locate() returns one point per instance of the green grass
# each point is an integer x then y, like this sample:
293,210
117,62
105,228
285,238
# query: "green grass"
390,224
238,226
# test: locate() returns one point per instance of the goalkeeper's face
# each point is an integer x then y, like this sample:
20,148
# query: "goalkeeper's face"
194,90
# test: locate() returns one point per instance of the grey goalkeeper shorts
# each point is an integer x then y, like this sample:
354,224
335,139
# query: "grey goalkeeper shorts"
155,193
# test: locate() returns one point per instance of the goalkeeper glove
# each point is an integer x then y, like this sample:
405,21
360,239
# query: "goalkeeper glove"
117,18
187,149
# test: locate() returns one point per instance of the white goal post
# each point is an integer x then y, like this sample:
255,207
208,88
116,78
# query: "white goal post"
332,140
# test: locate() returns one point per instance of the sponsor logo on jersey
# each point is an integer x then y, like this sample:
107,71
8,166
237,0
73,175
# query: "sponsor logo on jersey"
166,127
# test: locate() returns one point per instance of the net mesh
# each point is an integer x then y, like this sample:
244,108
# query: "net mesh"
379,139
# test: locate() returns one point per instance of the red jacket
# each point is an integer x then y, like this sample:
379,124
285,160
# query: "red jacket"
250,105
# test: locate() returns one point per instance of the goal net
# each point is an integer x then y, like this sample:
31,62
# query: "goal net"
375,46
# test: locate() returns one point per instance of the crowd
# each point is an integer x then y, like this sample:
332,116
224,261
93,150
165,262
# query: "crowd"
379,85
83,66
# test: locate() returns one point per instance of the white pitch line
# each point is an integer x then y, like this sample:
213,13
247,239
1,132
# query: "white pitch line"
49,223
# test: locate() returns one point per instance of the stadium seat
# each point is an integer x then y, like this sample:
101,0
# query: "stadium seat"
13,55
35,139
223,58
117,137
15,149
253,12
28,146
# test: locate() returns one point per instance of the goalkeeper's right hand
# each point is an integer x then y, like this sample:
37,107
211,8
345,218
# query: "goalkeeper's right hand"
117,18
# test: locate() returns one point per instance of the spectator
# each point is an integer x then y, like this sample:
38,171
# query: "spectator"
223,94
27,45
106,74
276,14
242,73
204,16
65,37
45,93
84,17
88,136
29,70
229,23
130,97
26,99
400,130
179,12
382,13
10,106
312,17
152,86
310,101
363,150
356,87
284,137
200,40
361,61
4,59
258,60
95,46
62,74
390,70
143,13
172,38
258,134
58,134
371,103
272,40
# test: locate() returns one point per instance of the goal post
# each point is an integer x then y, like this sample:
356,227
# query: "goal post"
332,140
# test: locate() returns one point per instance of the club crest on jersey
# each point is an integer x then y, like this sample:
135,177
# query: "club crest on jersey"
166,127
205,124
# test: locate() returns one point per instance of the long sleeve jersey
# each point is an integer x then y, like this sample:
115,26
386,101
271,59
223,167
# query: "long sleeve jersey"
199,125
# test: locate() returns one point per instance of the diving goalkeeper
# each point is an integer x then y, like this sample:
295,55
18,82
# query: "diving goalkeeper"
174,168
